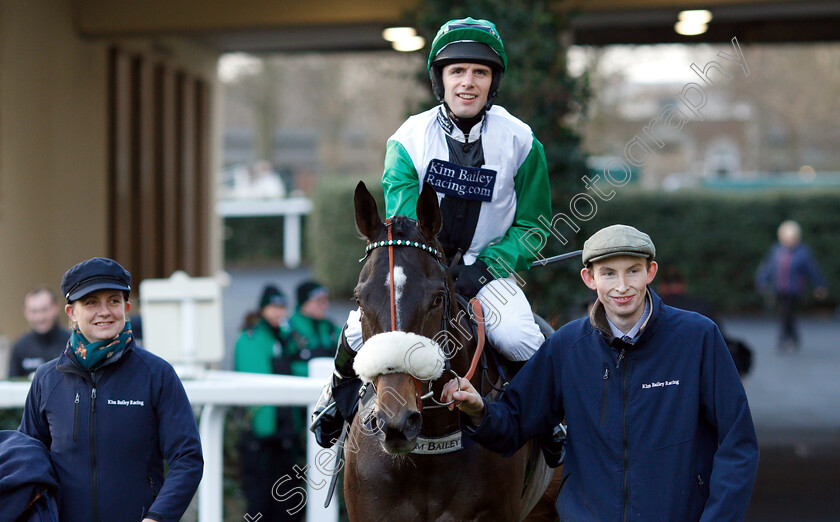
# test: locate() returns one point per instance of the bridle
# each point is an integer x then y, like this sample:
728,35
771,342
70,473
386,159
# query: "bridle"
476,307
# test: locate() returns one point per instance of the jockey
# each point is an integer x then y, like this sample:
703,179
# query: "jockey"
491,178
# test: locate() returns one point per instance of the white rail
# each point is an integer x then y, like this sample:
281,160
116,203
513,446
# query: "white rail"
215,392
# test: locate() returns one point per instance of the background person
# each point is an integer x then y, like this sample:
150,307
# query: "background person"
271,446
785,271
110,414
46,339
658,422
313,333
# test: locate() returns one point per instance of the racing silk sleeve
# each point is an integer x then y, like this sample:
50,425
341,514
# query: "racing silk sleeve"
180,446
531,405
724,405
400,182
526,236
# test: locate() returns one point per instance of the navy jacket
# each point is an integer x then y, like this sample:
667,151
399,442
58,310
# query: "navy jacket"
657,430
793,279
25,470
109,432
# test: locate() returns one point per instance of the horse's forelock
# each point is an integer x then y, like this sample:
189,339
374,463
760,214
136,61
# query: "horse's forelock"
407,228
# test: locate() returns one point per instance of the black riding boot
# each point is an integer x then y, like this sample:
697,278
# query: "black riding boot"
340,398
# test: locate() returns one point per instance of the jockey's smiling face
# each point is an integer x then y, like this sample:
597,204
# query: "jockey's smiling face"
466,87
621,283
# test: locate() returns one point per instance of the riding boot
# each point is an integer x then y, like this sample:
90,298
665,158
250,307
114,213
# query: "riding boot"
339,399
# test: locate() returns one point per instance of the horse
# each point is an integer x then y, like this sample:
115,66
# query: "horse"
405,461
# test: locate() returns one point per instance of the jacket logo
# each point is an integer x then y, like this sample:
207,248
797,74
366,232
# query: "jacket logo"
660,384
125,403
451,179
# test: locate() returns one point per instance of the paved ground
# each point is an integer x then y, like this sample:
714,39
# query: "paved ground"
795,401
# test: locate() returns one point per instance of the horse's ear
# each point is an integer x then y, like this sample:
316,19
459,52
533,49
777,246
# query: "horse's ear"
428,212
367,215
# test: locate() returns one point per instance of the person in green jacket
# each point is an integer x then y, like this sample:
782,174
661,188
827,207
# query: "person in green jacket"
271,446
313,334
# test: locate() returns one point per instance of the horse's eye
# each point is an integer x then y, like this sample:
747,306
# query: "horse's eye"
438,300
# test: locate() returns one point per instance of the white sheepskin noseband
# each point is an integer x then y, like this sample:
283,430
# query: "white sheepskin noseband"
399,352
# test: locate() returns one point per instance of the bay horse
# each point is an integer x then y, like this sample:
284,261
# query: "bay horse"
405,461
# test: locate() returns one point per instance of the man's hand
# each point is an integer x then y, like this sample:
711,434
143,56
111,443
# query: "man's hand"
471,403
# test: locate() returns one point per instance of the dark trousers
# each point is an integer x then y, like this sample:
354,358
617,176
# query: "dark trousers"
264,462
787,320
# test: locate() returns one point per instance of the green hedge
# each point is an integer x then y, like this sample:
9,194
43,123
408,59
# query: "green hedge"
250,241
716,238
332,239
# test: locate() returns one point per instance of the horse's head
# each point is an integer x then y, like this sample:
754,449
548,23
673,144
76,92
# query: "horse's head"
404,297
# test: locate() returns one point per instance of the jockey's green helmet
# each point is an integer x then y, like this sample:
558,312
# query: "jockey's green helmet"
467,40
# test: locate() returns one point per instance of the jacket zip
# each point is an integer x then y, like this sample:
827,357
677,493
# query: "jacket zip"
76,418
93,464
626,488
604,400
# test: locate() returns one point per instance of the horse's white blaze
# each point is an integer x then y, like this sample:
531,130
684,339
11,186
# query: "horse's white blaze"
399,352
399,282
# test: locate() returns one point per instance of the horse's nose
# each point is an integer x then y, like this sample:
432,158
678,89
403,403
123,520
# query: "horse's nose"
413,422
406,426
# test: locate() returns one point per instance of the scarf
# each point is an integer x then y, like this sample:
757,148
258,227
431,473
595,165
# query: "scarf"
91,354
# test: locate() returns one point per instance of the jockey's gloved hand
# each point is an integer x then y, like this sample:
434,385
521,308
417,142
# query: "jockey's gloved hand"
470,278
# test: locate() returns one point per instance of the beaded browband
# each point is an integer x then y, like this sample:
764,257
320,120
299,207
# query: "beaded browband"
402,242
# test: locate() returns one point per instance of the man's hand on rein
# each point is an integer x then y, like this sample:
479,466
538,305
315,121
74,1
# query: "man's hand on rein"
470,403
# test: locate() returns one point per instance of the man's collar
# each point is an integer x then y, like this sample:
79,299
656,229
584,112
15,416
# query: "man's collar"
599,321
634,332
453,131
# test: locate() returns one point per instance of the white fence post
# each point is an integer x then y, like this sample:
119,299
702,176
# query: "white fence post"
210,491
319,460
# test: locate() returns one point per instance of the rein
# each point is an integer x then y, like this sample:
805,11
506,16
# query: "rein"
474,303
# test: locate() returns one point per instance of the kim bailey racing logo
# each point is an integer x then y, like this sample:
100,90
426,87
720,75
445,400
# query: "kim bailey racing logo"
451,179
123,402
660,384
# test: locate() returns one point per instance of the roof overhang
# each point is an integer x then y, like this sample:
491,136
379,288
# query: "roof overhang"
338,25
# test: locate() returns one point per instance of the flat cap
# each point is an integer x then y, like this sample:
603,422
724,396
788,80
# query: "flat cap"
617,240
98,273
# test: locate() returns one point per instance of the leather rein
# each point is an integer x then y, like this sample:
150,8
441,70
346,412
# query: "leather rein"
474,303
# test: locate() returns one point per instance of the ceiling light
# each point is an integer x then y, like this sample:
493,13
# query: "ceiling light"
413,43
394,34
690,29
693,22
700,16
